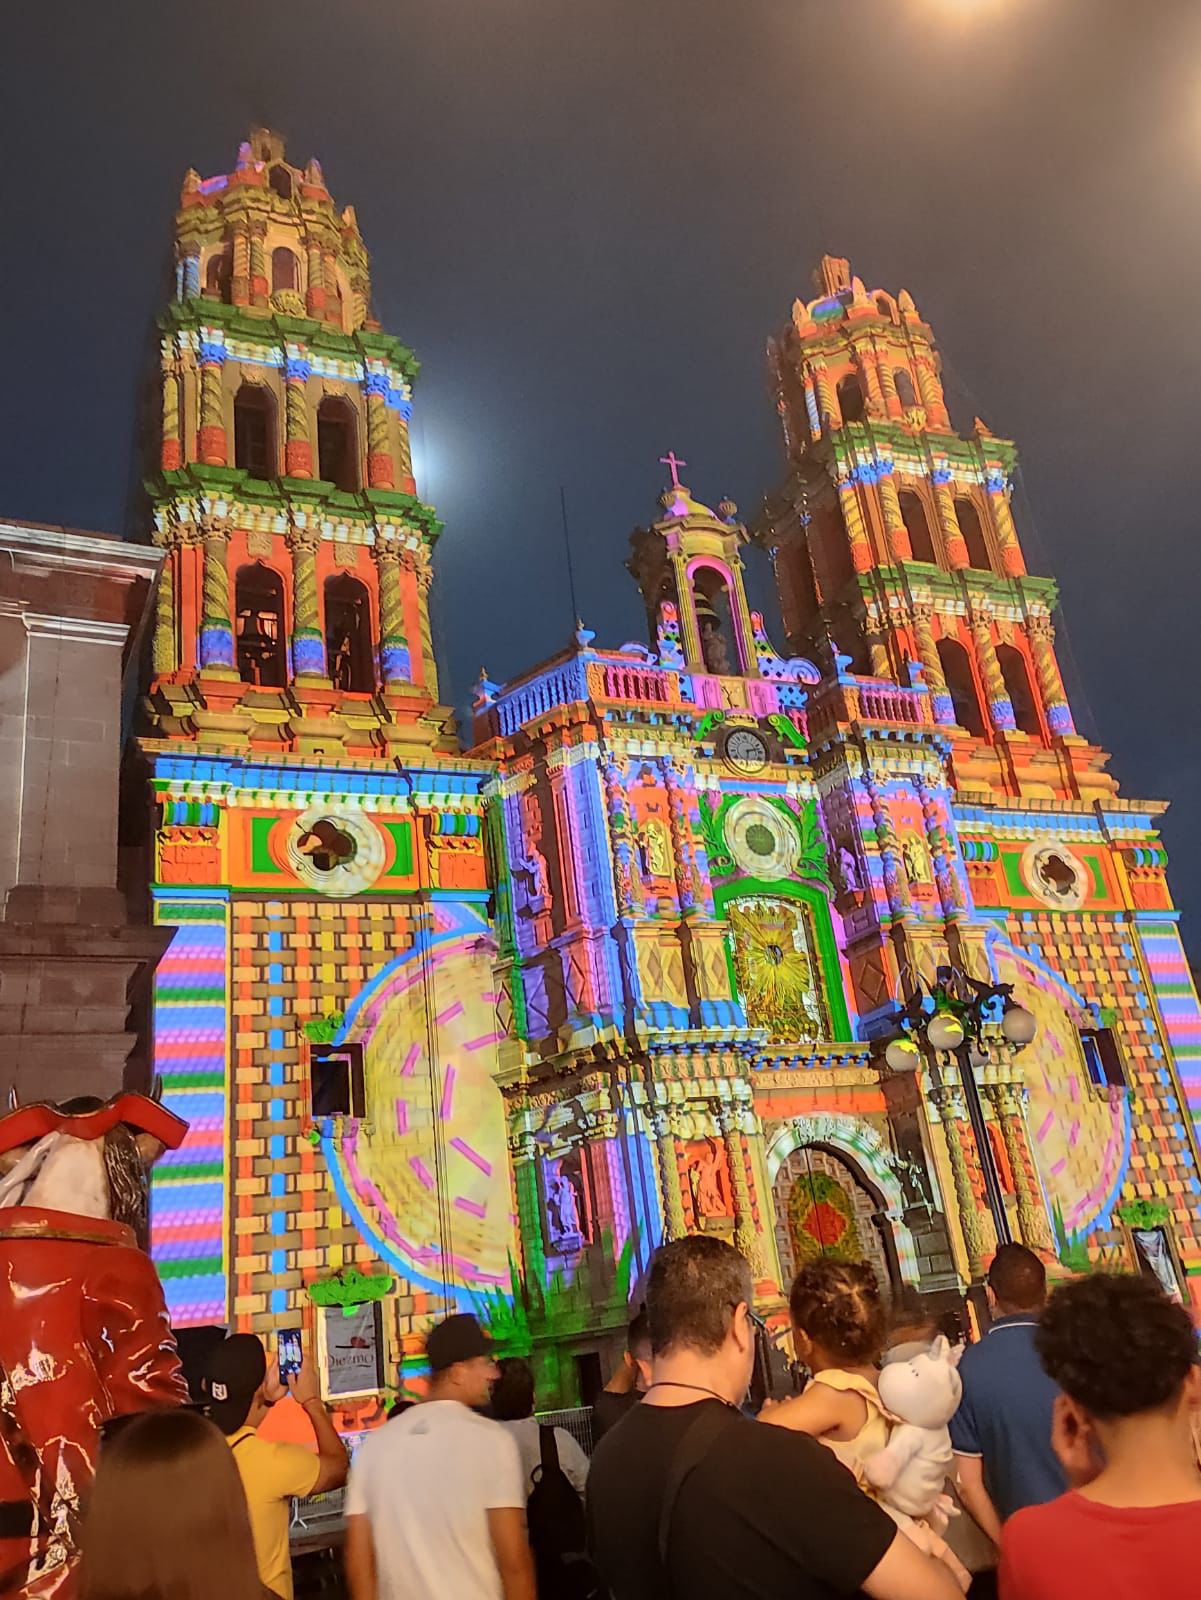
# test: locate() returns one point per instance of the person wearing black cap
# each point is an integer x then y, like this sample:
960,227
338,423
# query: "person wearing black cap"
436,1503
242,1386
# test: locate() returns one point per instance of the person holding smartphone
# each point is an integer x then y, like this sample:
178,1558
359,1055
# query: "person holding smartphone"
242,1386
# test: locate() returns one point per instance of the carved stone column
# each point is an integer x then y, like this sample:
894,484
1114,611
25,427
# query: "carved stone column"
211,446
216,626
952,534
1041,632
308,644
171,453
1007,1102
899,544
259,285
163,651
395,663
298,451
956,1129
674,1226
888,385
856,527
1012,562
239,283
381,470
1000,707
895,884
829,411
923,633
746,1235
314,300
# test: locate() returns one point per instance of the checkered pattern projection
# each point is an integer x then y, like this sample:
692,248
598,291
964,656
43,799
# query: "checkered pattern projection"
415,1186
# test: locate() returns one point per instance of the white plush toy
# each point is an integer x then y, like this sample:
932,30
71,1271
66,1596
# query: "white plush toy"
923,1392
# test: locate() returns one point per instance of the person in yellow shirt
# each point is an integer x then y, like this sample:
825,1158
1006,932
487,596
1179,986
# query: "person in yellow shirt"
242,1386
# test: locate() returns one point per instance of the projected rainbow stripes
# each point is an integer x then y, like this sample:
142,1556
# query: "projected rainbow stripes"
189,1184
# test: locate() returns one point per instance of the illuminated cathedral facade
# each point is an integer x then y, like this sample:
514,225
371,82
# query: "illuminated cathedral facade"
478,1027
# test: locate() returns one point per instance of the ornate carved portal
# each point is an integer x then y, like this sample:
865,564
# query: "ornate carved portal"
824,1207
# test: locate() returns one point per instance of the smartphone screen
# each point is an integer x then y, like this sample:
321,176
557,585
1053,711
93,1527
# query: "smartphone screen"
290,1353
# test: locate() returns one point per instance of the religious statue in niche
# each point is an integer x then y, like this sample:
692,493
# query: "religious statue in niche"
707,1179
655,849
917,862
565,1233
846,869
533,863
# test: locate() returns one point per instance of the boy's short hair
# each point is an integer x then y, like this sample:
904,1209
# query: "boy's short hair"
694,1287
1116,1344
638,1336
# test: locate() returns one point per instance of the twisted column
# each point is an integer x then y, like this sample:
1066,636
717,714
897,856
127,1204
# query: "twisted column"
395,663
955,1131
171,451
308,645
259,286
888,385
897,534
674,1225
866,357
950,891
211,446
163,654
216,628
298,451
681,837
190,284
627,881
1007,1104
1000,707
1012,561
895,885
329,274
923,634
746,1235
239,282
418,562
852,516
381,473
931,391
812,411
828,409
314,298
952,534
1041,632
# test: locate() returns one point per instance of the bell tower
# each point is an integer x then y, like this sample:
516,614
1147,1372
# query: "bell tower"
293,607
895,535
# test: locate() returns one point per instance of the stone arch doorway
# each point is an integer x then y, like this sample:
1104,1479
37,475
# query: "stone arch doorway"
825,1206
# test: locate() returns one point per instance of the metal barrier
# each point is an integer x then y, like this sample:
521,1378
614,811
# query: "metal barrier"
577,1421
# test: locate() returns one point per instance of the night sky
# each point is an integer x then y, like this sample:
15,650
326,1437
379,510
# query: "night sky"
587,216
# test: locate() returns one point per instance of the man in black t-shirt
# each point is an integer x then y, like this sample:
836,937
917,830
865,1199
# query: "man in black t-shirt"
625,1388
756,1513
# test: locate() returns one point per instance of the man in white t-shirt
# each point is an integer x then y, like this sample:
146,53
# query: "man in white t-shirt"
436,1502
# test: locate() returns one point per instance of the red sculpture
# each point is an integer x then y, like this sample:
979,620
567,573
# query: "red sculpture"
84,1335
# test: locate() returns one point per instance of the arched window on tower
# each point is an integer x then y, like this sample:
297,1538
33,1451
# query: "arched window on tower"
348,649
216,275
254,431
285,269
973,533
904,385
917,525
280,180
714,621
961,686
1018,688
850,398
260,628
337,443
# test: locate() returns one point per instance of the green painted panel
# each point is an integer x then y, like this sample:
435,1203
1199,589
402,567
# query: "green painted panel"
261,859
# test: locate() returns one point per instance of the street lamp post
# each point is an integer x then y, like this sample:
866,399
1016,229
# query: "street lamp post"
962,1007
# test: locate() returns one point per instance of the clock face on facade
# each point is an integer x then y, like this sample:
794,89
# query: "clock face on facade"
745,751
761,840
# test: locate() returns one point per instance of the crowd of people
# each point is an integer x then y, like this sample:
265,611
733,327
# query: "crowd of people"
1071,1449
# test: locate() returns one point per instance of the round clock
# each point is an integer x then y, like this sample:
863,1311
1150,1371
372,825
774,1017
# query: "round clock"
761,839
745,751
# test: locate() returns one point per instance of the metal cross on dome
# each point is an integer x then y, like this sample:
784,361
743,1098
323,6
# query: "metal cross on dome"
673,463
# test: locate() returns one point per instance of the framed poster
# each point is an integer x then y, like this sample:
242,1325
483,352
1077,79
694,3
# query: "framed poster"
1154,1252
352,1350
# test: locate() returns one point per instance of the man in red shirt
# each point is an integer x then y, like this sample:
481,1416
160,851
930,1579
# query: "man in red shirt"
1129,1528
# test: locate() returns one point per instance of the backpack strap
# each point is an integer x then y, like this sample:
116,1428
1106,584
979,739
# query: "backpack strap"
548,1447
690,1452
